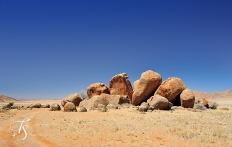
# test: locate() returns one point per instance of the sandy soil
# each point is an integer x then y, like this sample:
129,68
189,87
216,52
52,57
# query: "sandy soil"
124,127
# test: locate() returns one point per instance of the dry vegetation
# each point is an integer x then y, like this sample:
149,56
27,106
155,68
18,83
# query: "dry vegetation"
125,127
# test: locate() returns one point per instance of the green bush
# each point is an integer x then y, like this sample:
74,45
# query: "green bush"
9,105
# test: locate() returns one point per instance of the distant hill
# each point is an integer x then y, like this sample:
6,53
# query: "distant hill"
4,98
213,95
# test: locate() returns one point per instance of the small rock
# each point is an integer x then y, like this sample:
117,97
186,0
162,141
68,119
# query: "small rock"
102,108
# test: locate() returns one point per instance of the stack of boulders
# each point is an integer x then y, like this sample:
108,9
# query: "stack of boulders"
149,93
71,102
203,104
102,97
161,95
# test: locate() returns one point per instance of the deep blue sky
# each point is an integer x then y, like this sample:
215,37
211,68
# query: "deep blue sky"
51,48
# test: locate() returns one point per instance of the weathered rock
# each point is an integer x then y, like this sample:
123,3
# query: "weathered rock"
93,102
199,107
36,105
187,98
143,109
15,107
46,106
82,109
70,107
115,99
63,102
73,98
120,85
84,103
145,86
177,108
212,105
54,107
102,108
159,102
203,101
145,104
97,89
171,89
112,106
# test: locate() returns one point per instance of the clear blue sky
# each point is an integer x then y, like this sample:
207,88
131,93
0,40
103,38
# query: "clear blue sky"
51,48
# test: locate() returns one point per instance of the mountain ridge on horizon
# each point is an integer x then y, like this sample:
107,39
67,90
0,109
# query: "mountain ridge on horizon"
4,98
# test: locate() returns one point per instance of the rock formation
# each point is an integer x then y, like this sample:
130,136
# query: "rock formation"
54,107
187,98
159,102
145,86
120,85
171,89
97,89
69,107
73,98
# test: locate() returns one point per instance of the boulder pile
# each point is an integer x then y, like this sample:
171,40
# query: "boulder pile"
149,93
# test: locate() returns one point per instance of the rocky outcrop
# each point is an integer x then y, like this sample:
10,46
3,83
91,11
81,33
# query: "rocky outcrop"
93,102
171,89
203,101
104,99
115,99
145,86
159,102
112,106
36,105
187,98
54,107
97,89
69,107
73,98
102,108
120,85
46,106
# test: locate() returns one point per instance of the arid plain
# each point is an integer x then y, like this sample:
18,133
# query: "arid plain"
121,127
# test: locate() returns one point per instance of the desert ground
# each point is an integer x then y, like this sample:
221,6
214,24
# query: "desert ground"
122,127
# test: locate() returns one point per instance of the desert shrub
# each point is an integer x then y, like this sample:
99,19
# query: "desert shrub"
83,94
9,105
199,106
212,105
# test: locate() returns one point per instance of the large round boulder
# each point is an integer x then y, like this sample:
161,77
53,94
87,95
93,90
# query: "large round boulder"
97,89
145,86
120,85
73,98
187,98
159,102
54,107
69,107
171,89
